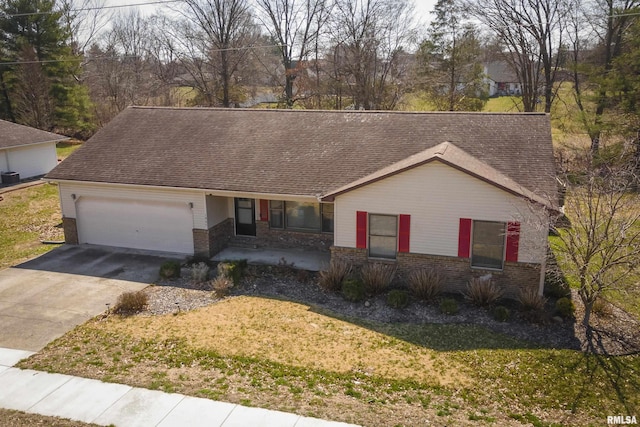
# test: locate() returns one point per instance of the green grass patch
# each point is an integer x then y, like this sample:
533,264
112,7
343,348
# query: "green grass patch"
64,149
28,216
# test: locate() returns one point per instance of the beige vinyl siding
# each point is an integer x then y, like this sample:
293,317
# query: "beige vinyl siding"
437,196
132,192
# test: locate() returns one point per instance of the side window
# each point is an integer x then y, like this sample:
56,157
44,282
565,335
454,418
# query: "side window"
327,217
383,236
487,246
276,214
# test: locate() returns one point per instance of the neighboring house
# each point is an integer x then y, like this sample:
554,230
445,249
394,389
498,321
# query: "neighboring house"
501,79
468,193
26,152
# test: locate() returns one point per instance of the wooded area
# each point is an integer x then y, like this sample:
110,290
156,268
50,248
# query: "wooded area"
71,66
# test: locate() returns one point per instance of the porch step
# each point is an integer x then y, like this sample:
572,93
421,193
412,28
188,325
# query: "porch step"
243,242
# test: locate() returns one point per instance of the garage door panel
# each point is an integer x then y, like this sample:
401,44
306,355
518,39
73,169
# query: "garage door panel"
161,226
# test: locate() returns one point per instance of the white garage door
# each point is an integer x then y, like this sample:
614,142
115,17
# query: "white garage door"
158,226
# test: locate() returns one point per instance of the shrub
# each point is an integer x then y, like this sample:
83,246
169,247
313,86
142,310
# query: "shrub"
221,285
501,313
199,272
426,284
398,299
170,269
602,308
530,300
565,307
555,285
449,306
482,291
232,270
331,278
131,302
353,290
377,277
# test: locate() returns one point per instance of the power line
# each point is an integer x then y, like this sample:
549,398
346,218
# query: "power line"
17,15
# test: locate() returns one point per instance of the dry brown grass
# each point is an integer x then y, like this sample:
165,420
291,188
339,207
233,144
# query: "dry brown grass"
292,334
10,418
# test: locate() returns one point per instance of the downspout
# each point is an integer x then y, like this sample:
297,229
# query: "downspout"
543,268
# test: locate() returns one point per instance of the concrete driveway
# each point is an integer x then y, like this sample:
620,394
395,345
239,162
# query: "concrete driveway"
43,298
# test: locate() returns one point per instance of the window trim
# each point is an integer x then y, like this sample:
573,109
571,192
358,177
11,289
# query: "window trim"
472,245
395,255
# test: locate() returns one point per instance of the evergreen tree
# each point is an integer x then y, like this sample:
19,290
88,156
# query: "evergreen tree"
449,61
42,87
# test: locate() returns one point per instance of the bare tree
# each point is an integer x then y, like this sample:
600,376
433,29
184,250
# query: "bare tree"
606,22
369,38
531,31
84,21
600,250
294,26
228,31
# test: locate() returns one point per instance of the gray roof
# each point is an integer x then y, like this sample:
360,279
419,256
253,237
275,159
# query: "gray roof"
301,152
15,135
501,72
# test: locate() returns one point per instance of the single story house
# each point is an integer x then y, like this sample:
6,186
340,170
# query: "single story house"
501,79
26,152
468,193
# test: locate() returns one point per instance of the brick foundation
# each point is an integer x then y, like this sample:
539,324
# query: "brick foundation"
201,242
220,235
457,271
70,229
282,239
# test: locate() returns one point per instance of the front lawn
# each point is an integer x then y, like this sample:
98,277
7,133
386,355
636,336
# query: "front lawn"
291,357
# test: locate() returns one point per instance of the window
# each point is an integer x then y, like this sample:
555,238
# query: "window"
302,215
327,217
305,216
487,249
383,232
276,214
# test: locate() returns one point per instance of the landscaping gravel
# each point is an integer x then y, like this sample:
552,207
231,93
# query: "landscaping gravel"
614,334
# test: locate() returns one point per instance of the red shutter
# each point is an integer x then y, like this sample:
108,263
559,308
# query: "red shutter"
361,230
464,238
513,241
264,210
404,233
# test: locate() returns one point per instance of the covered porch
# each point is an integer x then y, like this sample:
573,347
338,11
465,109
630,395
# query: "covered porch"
311,260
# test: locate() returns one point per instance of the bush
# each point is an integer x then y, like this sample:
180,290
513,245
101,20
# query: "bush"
501,313
131,302
353,290
565,307
232,270
555,285
449,306
199,272
398,299
331,278
602,307
170,270
482,291
426,284
221,285
377,277
530,300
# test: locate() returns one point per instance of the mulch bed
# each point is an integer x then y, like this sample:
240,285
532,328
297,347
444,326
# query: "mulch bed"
616,333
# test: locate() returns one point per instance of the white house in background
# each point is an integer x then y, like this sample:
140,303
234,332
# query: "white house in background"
26,152
467,193
501,79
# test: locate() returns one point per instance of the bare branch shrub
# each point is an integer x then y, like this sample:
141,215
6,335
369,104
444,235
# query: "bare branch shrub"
425,283
377,277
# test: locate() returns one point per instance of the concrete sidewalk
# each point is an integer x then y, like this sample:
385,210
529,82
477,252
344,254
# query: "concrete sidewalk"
102,403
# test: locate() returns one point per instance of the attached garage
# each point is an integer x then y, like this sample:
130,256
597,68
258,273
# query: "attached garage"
151,225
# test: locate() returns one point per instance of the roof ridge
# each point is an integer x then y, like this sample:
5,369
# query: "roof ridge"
315,111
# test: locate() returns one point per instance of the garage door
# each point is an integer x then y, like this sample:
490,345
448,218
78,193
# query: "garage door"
158,226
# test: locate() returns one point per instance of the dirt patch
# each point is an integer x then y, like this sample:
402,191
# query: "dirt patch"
9,418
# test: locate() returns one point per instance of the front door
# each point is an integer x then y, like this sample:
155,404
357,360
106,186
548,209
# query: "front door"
245,217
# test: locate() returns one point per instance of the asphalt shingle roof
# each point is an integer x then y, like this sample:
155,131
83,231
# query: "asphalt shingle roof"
300,152
15,135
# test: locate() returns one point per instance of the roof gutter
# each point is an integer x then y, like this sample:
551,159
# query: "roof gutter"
211,192
35,143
